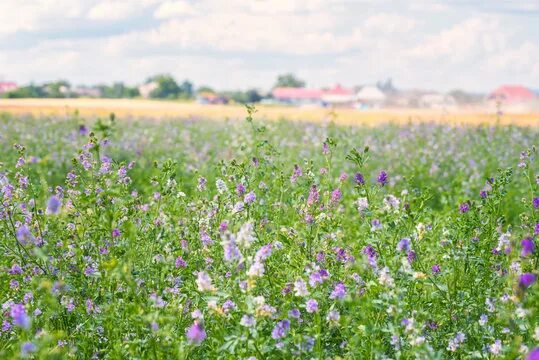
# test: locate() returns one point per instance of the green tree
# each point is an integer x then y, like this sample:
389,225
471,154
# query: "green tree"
30,91
289,80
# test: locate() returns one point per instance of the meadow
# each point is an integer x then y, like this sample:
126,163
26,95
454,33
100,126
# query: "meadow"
194,239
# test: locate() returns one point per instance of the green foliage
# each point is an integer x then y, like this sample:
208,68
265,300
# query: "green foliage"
289,80
167,229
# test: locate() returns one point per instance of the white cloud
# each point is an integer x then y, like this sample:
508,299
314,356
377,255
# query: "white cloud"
170,9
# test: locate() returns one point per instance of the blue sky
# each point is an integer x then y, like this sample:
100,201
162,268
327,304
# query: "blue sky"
442,45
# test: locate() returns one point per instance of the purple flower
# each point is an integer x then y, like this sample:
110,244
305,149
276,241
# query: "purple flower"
116,233
240,189
436,269
24,235
294,313
359,179
27,348
180,262
536,231
297,173
339,291
280,329
526,280
382,178
336,195
19,316
250,198
534,354
411,256
464,208
311,306
313,195
527,247
403,245
535,202
196,333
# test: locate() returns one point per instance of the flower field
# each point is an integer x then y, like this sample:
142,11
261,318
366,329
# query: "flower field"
267,240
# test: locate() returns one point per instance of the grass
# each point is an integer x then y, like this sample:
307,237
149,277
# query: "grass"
253,239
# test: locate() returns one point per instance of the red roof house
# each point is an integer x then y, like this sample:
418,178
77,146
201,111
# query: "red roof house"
296,94
7,86
510,94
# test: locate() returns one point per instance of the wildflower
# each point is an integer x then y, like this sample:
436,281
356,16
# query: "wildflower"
339,291
528,247
180,262
204,282
454,343
201,186
24,235
436,269
336,195
382,178
496,348
534,354
296,174
464,208
385,278
280,329
333,317
311,306
27,348
403,245
196,333
362,204
116,233
526,280
247,321
294,313
535,202
359,179
300,288
231,250
240,189
19,316
221,186
250,198
411,256
313,195
483,319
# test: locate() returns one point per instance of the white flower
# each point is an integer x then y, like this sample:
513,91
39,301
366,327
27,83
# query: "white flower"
362,204
204,282
256,270
391,203
221,186
496,348
300,288
245,236
385,278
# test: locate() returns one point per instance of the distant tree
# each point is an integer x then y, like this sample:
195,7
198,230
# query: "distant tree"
57,89
289,80
168,88
386,86
205,89
252,96
30,91
186,89
118,90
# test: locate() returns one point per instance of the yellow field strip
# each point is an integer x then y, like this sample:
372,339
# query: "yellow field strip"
128,108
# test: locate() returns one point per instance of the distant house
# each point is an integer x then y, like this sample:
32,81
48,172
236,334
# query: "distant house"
84,91
146,89
370,97
207,97
297,96
7,86
512,94
435,100
338,96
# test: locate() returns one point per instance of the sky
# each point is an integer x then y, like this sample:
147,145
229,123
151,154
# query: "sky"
239,44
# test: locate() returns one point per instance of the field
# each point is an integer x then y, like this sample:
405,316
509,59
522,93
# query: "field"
251,239
128,108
